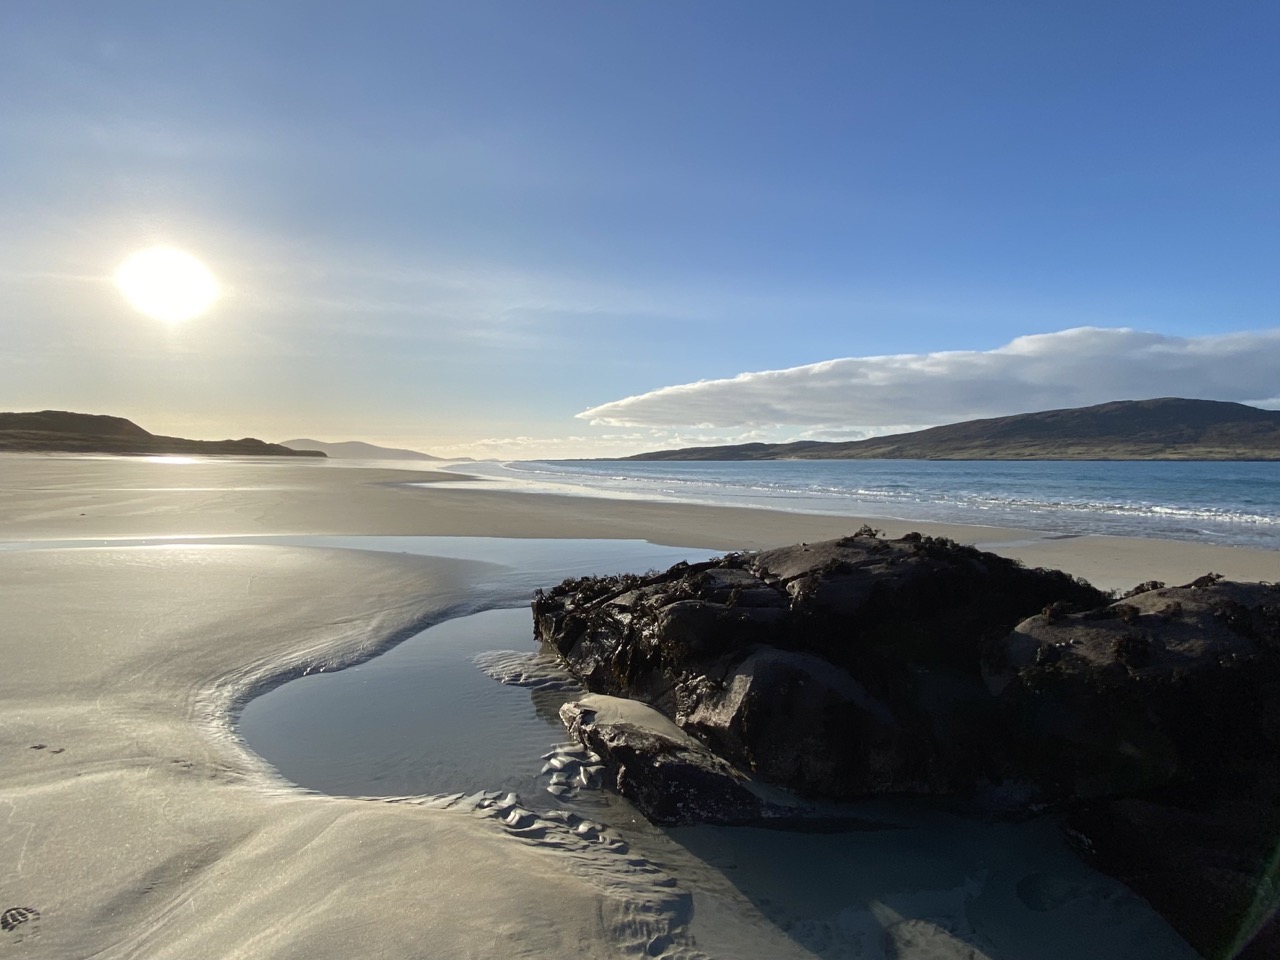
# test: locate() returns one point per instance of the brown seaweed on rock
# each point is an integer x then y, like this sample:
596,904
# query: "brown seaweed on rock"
837,669
864,666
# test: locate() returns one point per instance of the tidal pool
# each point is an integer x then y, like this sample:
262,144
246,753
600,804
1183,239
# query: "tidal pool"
419,719
423,719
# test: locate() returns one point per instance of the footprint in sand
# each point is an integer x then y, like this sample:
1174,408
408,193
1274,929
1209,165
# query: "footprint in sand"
15,917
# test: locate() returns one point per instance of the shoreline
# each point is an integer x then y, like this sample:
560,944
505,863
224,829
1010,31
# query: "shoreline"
1180,506
44,499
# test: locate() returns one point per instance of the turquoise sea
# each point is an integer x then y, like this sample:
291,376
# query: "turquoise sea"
1216,502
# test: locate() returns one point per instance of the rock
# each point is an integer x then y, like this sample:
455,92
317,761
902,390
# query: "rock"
837,669
863,666
793,714
1205,863
670,776
1164,708
1166,686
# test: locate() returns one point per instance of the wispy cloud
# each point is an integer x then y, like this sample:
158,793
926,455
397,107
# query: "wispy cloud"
595,445
1070,368
484,303
536,448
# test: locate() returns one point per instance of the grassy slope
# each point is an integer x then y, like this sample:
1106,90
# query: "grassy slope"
59,431
1162,429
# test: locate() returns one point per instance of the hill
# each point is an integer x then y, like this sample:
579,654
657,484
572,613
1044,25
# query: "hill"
59,431
1168,428
356,450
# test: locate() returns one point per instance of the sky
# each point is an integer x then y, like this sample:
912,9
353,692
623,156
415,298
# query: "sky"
552,229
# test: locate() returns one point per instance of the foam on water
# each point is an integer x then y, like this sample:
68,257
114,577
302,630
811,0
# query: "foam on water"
1217,502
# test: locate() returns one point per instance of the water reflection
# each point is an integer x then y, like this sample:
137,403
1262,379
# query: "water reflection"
423,718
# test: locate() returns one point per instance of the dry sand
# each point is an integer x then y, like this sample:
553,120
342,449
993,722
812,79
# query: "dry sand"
136,823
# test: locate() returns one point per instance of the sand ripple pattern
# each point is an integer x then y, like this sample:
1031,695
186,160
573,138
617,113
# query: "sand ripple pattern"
572,768
534,671
649,912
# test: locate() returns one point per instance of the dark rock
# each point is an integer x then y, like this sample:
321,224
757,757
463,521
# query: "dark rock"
1171,685
837,669
1165,709
804,721
667,774
862,666
1205,863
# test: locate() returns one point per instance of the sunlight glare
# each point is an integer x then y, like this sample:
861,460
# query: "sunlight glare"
167,284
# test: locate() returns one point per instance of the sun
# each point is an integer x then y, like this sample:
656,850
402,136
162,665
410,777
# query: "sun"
167,284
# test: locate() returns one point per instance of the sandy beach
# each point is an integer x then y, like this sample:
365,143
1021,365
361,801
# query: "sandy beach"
62,498
138,825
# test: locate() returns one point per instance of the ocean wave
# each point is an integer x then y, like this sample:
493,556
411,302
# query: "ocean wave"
1229,503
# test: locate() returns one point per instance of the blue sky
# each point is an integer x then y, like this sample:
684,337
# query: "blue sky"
460,227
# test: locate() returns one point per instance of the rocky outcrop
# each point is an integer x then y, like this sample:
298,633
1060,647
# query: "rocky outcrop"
836,669
1162,712
1167,685
1202,855
863,666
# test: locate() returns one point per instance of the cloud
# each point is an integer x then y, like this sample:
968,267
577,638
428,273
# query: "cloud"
1071,368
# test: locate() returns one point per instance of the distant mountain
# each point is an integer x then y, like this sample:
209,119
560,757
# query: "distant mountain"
59,431
357,450
1168,428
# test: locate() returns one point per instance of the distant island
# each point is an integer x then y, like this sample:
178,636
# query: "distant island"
59,431
1168,428
356,450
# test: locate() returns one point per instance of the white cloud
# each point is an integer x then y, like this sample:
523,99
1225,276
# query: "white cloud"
1071,368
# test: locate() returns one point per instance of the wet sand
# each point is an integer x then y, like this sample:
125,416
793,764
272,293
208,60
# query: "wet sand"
137,825
58,498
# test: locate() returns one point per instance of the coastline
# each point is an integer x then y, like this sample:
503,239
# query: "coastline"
1203,502
137,824
104,499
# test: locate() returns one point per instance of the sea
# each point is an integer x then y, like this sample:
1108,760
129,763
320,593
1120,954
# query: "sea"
1223,502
